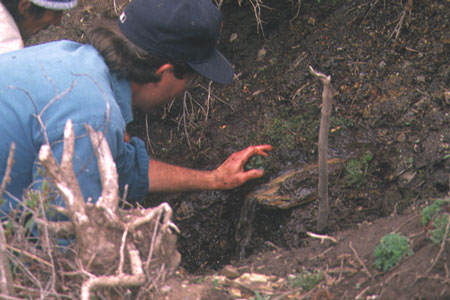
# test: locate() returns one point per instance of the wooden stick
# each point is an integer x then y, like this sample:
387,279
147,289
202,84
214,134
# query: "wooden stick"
327,102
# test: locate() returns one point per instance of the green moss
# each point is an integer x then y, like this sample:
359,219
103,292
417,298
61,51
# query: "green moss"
288,129
356,170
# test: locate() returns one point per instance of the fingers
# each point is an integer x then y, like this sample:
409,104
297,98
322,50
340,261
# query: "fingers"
253,174
255,150
231,173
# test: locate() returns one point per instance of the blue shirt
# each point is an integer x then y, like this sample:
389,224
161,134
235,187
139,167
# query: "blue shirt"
41,87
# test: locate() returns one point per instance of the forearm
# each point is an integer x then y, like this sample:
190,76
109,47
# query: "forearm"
165,177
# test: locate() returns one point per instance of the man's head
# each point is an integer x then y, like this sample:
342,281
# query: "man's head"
32,16
159,46
184,31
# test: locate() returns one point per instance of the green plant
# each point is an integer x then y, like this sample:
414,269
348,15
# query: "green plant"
390,250
439,224
199,280
256,162
306,280
356,170
215,283
260,297
431,214
430,211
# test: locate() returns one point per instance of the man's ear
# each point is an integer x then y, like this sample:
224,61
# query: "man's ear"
164,68
23,7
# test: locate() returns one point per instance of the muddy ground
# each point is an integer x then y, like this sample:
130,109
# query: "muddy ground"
389,66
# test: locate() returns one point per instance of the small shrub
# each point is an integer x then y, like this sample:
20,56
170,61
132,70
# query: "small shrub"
429,211
439,224
306,280
390,250
432,214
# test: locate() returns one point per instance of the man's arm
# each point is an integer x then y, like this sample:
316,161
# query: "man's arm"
165,177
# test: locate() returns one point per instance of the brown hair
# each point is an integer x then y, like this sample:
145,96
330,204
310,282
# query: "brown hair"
13,7
125,58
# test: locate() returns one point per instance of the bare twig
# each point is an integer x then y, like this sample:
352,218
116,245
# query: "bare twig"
147,133
321,237
30,255
6,279
298,11
360,260
399,26
360,295
257,5
46,241
299,297
6,178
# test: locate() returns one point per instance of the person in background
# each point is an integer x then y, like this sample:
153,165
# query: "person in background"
20,19
144,59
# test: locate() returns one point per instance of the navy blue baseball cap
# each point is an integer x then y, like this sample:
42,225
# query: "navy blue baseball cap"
181,31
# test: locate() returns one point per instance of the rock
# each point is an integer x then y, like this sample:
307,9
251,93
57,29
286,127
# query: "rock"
420,78
230,272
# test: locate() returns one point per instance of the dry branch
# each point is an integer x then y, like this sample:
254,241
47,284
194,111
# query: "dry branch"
363,265
103,232
321,237
327,102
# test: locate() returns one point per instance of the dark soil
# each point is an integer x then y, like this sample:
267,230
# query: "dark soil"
391,101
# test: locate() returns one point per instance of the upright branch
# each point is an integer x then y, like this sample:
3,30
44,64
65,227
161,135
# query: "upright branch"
107,167
64,177
327,102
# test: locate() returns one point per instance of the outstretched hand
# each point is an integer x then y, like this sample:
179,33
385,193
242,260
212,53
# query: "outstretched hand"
231,173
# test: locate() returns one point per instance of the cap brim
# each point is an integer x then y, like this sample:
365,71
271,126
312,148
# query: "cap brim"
56,5
217,68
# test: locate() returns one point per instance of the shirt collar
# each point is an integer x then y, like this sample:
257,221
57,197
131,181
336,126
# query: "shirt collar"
122,92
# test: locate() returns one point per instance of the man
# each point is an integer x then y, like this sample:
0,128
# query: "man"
145,59
19,19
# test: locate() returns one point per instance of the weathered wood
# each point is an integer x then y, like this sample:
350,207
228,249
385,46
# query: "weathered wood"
327,102
294,187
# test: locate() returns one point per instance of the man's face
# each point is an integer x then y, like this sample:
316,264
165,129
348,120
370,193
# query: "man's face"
153,94
31,25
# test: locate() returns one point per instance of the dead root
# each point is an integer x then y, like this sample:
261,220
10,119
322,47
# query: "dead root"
113,247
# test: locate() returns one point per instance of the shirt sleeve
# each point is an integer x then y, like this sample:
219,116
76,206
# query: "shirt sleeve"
131,164
133,170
